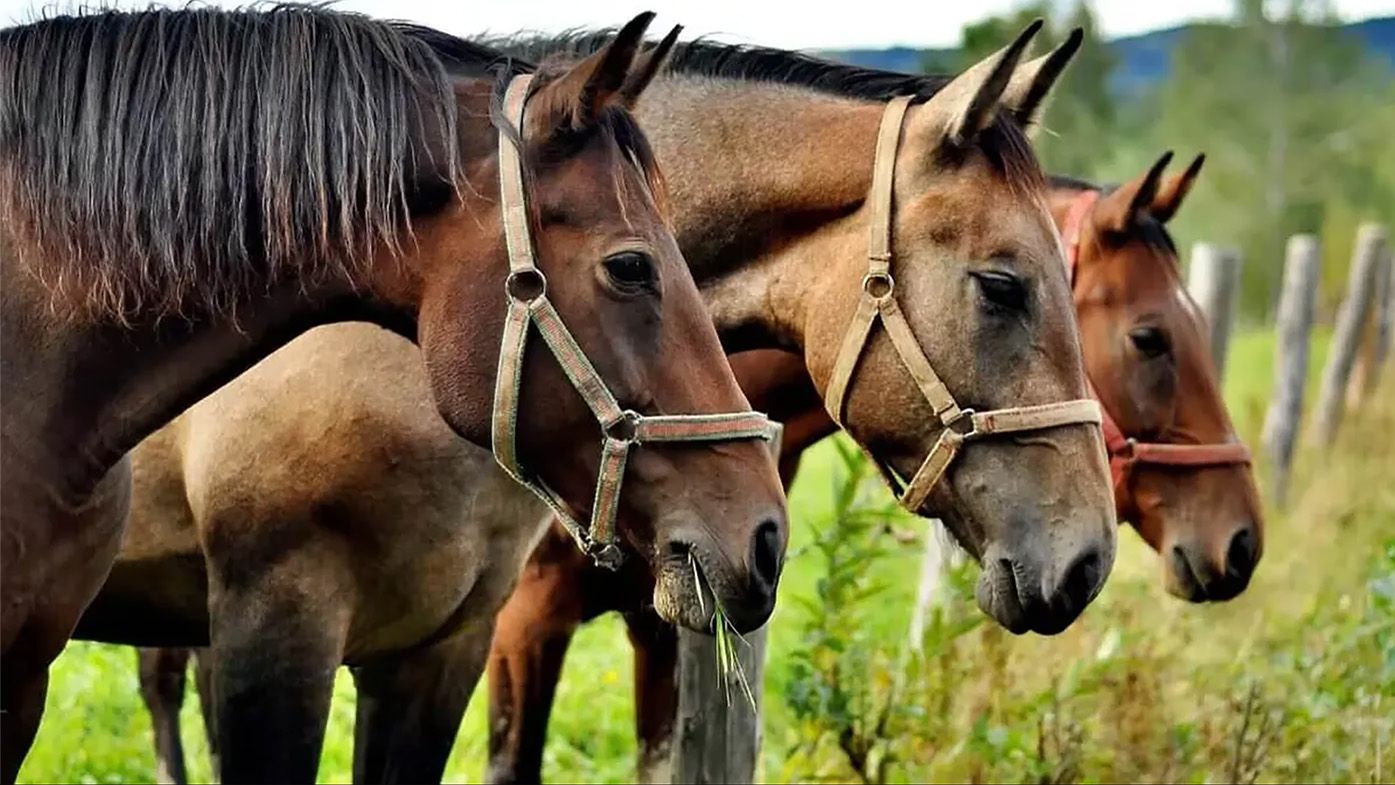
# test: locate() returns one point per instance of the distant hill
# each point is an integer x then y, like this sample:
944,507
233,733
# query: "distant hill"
1143,60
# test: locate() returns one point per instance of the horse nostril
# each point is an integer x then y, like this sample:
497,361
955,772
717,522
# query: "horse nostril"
1083,579
766,553
1240,556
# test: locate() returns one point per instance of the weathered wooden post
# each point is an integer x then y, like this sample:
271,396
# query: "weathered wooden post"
1375,336
1351,318
1214,282
717,735
940,554
1302,264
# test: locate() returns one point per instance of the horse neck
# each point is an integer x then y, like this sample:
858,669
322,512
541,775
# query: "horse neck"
79,395
766,182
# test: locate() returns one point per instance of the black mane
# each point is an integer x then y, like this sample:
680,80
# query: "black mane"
1004,141
708,58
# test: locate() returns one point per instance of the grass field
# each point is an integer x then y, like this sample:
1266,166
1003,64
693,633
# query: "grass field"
1295,680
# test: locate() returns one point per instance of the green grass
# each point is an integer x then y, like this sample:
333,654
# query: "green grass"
1142,686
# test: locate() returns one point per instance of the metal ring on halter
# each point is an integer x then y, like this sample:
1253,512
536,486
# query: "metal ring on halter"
888,283
526,285
625,429
965,416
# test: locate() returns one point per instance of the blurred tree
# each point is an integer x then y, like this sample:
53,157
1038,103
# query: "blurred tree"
1284,108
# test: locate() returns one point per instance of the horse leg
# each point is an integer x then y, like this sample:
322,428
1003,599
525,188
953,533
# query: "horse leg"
203,683
20,712
53,561
162,676
410,708
530,643
655,645
275,651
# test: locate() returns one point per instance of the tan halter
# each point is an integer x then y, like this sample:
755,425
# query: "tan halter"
879,300
622,429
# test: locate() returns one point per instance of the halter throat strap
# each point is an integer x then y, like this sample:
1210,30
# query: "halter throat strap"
1125,452
878,301
622,429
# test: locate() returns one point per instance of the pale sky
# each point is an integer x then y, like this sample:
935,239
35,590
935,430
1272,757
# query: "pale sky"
827,24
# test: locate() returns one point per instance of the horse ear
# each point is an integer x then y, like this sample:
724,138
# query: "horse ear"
1118,211
576,100
970,101
1032,81
1170,196
647,67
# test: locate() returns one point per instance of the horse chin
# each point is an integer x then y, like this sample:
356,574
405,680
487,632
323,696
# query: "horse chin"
681,599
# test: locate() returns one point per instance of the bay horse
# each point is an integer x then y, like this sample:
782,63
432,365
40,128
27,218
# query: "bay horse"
972,236
1146,353
185,191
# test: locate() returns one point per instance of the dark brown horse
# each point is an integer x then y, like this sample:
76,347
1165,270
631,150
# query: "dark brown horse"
776,244
185,191
1145,348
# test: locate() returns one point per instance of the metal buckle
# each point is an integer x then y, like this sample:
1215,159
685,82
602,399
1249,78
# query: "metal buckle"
606,555
1127,452
957,424
878,286
526,285
625,429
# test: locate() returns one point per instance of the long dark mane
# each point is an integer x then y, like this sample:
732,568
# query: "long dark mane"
1004,142
177,161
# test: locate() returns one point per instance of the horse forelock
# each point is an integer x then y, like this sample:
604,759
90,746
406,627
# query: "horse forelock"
180,161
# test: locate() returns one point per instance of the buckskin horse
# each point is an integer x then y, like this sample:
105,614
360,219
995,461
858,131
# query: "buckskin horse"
185,191
1010,306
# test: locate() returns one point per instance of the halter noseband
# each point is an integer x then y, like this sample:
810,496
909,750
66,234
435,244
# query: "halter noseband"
1126,452
960,425
622,429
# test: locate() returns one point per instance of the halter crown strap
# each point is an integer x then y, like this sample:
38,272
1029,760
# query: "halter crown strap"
622,429
1125,452
878,300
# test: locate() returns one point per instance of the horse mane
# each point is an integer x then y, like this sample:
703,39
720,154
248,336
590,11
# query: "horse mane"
1148,229
1003,142
174,161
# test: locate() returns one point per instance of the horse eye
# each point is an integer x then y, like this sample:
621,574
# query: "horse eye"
631,270
1002,289
1149,341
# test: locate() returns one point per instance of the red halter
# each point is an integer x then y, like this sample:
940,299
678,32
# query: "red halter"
1124,451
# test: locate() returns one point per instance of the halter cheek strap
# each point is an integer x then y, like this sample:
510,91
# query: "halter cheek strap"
622,429
1125,453
958,425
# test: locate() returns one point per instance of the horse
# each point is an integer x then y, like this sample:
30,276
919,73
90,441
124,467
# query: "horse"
1193,499
185,191
996,185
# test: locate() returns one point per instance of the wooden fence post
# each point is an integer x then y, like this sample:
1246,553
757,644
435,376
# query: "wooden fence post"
1302,264
717,734
1213,280
1385,330
940,553
1370,246
1371,350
